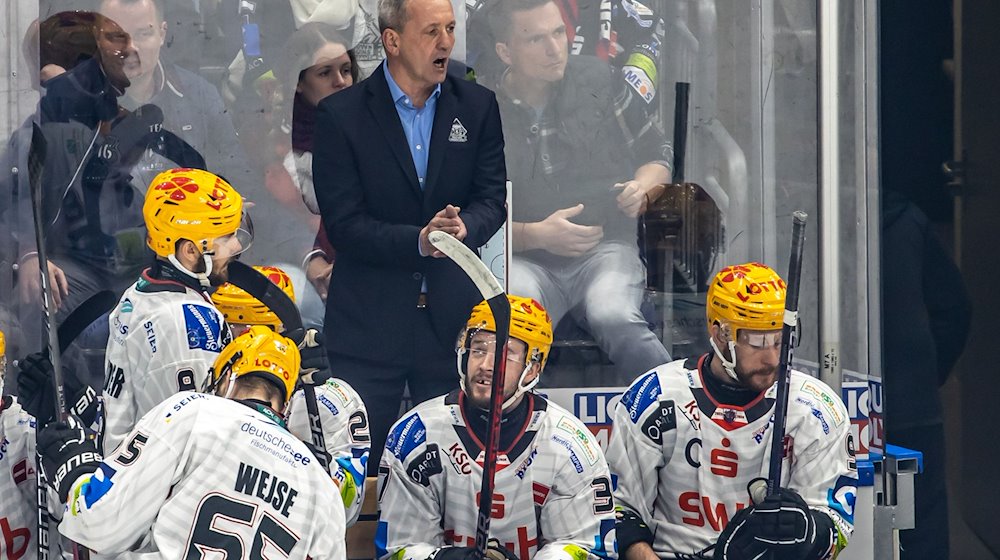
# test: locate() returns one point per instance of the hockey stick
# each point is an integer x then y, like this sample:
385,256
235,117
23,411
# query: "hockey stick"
788,332
495,297
82,317
257,285
36,162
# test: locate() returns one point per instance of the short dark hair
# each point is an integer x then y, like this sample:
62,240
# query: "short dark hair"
261,384
392,14
500,15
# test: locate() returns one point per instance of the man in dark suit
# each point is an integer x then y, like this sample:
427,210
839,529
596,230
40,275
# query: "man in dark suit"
410,150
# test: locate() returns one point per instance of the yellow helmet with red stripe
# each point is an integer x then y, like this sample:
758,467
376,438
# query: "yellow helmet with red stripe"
263,353
241,308
190,204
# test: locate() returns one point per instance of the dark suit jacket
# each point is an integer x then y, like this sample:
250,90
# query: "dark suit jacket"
373,210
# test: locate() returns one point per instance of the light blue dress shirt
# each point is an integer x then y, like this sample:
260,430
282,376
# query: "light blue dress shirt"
417,123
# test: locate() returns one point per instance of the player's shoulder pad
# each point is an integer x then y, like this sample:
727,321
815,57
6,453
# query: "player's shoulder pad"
205,326
641,395
821,401
406,435
573,437
337,395
407,441
181,404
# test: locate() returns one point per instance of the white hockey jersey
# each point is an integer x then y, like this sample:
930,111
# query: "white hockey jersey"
164,338
18,502
202,473
683,461
345,432
552,497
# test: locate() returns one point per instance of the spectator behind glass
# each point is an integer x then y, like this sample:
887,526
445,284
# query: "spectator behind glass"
580,178
316,63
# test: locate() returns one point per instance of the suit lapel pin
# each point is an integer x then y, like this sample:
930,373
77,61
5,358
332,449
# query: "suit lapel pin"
458,132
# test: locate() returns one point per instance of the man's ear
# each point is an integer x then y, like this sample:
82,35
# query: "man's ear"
186,252
717,334
503,52
390,41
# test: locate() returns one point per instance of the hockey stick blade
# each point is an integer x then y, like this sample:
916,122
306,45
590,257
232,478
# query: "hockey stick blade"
83,316
788,331
496,298
256,284
469,261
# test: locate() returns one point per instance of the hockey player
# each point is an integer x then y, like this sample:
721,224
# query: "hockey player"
165,332
203,473
342,413
552,496
18,502
689,436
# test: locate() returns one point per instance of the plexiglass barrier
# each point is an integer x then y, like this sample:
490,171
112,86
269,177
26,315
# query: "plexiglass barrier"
648,144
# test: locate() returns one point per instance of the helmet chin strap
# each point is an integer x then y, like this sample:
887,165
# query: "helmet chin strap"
728,365
201,277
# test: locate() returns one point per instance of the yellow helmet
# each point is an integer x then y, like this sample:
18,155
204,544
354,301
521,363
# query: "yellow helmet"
262,352
190,204
529,322
746,296
239,307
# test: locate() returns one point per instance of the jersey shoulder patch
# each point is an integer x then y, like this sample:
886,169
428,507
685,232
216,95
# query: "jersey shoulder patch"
821,395
640,395
205,328
408,434
573,435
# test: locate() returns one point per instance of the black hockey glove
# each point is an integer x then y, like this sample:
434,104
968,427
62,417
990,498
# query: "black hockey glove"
67,454
630,529
37,395
783,524
737,540
315,361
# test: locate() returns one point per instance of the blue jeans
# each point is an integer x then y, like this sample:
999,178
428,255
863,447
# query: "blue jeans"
603,291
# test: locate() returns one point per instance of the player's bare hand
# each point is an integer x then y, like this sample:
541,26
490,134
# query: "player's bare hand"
446,220
632,199
558,234
318,273
29,282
